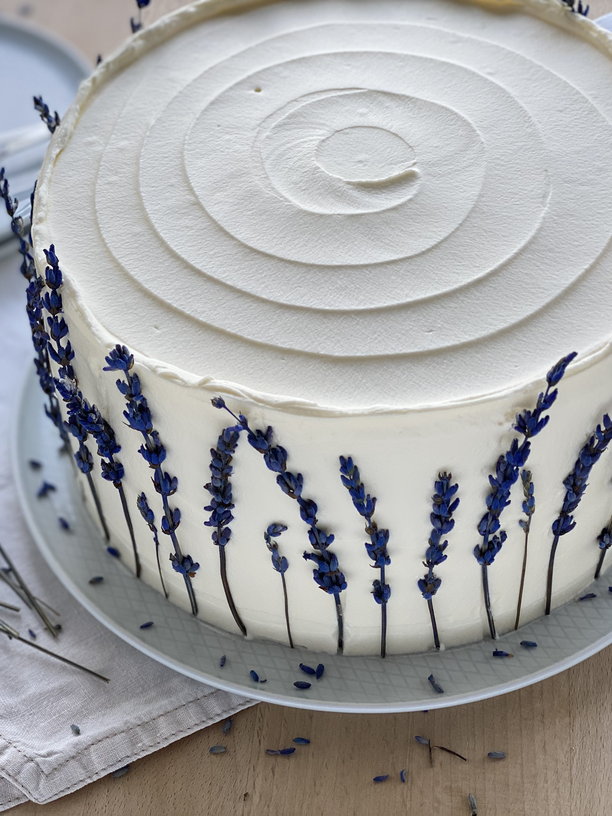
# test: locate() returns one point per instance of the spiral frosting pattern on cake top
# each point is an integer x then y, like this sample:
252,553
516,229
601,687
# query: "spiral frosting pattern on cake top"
349,204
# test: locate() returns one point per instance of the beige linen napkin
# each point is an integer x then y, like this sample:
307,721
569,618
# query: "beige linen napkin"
145,706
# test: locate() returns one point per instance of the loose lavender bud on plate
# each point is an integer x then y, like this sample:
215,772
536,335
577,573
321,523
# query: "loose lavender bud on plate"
114,552
146,625
501,653
97,579
319,671
63,523
588,597
222,661
32,634
34,464
307,669
529,644
435,685
254,676
45,489
300,684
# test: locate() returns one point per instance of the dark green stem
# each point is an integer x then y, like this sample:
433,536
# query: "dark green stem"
602,555
549,578
340,623
128,520
287,609
487,601
522,586
434,626
228,592
383,617
96,499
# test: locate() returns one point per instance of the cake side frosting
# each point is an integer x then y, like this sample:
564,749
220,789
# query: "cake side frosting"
375,266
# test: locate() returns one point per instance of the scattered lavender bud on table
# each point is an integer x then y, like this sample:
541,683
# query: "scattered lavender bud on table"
529,644
222,661
422,740
34,464
120,772
472,804
114,552
45,489
425,741
496,755
381,778
435,685
146,625
58,627
227,726
320,669
63,523
75,730
217,749
501,653
300,684
307,669
301,741
32,634
97,579
403,775
281,752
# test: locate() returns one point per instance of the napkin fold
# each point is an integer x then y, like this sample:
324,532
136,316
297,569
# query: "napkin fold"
145,706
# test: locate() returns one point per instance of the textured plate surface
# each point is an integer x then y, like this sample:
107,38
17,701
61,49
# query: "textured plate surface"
358,684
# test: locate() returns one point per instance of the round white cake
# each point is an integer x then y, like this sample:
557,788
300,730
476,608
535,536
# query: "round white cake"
372,226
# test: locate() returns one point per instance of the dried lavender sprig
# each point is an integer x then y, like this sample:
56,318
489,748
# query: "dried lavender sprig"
89,418
66,382
221,505
149,517
138,417
32,600
280,564
13,634
327,576
136,25
52,122
5,572
379,538
575,485
443,506
525,524
34,307
528,424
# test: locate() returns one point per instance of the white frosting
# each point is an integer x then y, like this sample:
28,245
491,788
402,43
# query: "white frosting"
341,213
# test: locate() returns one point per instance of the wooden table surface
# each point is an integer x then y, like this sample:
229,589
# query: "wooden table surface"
557,735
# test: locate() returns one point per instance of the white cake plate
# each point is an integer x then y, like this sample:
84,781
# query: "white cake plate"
178,640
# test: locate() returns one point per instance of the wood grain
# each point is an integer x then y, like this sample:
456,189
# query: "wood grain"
556,734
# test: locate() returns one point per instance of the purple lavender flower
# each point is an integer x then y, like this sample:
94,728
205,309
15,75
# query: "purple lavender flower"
379,538
575,484
528,424
280,564
443,506
221,505
138,417
327,574
51,121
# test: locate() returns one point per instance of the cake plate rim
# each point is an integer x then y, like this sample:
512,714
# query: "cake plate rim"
363,681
